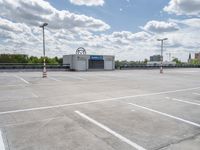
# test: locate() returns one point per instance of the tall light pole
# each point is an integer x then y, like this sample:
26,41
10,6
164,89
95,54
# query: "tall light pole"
161,63
44,75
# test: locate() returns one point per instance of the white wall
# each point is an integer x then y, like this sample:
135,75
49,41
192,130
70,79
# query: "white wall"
81,65
80,62
108,65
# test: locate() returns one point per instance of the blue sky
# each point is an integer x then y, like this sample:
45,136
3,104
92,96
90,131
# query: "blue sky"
127,29
134,13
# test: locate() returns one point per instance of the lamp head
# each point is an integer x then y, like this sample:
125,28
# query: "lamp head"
43,25
162,39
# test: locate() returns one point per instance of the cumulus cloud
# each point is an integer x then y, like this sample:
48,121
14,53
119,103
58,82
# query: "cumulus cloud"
19,21
193,22
28,39
129,36
34,12
184,7
160,26
7,25
88,2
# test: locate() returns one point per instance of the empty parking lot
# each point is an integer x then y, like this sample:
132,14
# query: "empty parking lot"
119,110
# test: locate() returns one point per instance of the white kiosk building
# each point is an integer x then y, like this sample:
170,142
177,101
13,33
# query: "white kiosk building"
82,62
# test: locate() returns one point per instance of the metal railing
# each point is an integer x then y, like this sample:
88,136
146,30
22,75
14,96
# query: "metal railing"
67,67
144,66
31,66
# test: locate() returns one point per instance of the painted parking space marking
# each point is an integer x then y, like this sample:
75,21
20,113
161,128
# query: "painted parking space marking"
34,95
122,138
52,78
185,71
196,94
2,146
77,77
74,77
22,79
167,115
95,101
183,101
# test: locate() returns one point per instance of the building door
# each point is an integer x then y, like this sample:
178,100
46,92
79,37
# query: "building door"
96,64
108,65
81,65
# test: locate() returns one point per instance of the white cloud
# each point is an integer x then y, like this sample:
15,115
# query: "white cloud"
184,7
160,26
16,31
10,26
124,44
88,2
19,21
60,42
34,12
193,22
129,36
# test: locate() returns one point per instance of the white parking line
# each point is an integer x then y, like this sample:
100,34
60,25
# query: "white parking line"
54,79
2,147
186,71
34,95
183,101
22,79
122,138
167,115
95,101
196,94
76,77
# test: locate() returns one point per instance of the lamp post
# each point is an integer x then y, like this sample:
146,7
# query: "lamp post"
161,63
44,75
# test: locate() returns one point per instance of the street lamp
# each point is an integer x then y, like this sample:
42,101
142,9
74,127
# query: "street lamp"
44,60
161,64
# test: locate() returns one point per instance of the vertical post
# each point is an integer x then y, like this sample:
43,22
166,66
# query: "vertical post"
44,55
161,61
161,64
44,75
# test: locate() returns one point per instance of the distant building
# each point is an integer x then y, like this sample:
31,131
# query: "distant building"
190,58
155,58
197,56
79,62
82,62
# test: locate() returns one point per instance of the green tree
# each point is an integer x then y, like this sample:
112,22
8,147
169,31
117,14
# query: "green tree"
13,58
19,58
195,62
178,62
33,60
145,61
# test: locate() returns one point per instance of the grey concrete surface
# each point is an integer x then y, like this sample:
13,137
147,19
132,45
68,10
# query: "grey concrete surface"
39,114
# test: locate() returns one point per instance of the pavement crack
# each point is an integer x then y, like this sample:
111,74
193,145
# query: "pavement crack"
179,141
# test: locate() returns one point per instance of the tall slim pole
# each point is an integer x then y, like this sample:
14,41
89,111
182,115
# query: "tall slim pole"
44,59
161,64
161,61
44,75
